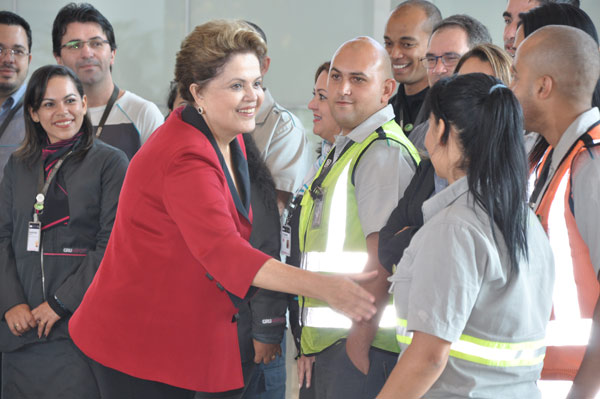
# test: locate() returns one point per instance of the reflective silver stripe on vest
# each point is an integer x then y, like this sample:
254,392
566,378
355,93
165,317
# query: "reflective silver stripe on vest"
323,317
331,262
489,353
334,259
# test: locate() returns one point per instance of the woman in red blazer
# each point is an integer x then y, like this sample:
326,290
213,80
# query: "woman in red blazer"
159,318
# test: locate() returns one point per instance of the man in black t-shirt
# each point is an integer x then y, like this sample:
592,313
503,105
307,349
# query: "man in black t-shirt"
406,36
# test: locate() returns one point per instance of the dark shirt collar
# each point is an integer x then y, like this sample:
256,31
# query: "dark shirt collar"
242,200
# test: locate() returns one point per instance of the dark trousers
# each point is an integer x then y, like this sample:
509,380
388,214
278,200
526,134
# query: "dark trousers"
248,369
47,370
116,385
336,377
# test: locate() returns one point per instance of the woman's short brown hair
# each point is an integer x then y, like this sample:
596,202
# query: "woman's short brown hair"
207,49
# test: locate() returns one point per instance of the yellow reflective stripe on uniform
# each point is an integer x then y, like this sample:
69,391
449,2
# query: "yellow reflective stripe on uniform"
325,317
488,353
568,332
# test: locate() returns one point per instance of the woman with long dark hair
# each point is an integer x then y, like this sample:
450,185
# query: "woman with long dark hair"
473,291
58,198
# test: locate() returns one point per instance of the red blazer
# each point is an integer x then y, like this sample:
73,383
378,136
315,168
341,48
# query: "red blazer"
157,309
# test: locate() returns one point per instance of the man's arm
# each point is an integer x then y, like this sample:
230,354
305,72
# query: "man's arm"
362,333
586,382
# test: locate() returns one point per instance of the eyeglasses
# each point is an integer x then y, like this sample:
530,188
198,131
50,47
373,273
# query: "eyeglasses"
16,52
449,60
75,45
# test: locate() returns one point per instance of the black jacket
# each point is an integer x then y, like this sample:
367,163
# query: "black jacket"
408,214
263,317
71,253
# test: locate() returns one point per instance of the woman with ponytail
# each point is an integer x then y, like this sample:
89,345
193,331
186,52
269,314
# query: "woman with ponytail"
473,290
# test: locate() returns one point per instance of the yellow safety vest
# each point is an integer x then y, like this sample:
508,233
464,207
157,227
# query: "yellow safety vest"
332,241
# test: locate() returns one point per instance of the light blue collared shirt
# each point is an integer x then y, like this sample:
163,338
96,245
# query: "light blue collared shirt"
11,101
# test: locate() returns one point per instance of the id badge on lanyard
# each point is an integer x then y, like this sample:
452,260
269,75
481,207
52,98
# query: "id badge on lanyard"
286,240
34,236
34,228
318,212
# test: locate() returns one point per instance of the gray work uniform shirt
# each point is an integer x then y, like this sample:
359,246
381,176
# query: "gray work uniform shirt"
455,279
585,182
382,174
281,140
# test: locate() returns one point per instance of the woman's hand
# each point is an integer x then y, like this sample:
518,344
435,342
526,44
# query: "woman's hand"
265,353
305,365
46,317
20,319
346,296
341,292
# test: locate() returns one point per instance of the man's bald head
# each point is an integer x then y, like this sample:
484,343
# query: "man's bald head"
368,47
568,55
360,81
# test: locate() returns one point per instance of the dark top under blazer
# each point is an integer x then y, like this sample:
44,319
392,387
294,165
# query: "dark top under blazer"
159,308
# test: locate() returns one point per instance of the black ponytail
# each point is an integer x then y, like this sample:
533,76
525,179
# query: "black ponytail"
489,123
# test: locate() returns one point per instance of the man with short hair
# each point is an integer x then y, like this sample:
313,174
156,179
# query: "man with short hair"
348,202
406,36
556,98
511,18
84,40
281,139
450,40
15,57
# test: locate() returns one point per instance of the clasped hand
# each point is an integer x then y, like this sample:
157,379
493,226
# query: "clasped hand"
20,319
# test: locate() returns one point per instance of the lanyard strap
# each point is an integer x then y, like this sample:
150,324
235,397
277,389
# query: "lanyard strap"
541,181
315,188
43,187
10,115
107,109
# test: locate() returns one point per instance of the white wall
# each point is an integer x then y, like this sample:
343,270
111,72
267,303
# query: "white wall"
301,34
